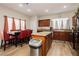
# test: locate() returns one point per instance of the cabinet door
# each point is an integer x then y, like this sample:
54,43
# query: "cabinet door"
67,36
64,36
61,36
56,35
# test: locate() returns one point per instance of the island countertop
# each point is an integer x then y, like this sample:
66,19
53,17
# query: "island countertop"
41,33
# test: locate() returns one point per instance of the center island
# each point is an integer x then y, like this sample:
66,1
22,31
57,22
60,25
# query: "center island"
46,38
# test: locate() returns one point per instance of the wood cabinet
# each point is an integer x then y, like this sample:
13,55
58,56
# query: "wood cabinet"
59,35
44,23
76,40
46,43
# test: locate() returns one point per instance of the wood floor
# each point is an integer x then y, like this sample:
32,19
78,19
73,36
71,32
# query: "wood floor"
58,48
61,48
16,51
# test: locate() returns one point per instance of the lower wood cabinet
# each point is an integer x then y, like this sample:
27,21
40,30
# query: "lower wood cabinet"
59,35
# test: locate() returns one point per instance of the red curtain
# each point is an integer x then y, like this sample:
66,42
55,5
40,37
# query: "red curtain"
5,24
13,24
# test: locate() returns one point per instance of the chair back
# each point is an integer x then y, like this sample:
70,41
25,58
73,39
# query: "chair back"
29,32
21,35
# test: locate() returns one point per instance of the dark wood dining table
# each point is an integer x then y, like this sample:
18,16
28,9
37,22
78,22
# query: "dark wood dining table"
15,34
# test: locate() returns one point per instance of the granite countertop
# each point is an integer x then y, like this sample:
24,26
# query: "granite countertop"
63,30
41,33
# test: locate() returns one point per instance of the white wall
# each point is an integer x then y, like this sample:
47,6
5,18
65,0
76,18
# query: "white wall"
34,19
63,14
68,14
33,23
11,13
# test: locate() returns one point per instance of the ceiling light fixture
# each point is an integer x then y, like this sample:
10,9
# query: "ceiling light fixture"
27,4
46,10
29,10
65,6
20,5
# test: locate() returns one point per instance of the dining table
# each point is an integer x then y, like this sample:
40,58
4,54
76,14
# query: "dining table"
14,34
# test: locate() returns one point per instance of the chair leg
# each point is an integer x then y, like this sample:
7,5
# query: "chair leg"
28,39
1,43
13,41
21,42
4,45
16,42
9,42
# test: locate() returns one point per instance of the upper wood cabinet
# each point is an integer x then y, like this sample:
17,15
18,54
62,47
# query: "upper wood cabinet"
44,23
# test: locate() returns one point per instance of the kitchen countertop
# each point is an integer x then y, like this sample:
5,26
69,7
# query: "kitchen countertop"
41,33
63,30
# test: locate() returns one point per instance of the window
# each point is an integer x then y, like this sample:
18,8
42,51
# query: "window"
22,25
61,23
56,24
12,23
17,24
9,24
66,23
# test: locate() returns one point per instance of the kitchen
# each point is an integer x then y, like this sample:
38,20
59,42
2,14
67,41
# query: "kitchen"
52,23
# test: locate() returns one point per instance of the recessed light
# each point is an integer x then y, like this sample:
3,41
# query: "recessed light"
20,5
29,10
46,10
65,6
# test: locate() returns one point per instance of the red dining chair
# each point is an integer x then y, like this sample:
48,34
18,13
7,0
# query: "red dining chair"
7,39
21,37
28,34
25,36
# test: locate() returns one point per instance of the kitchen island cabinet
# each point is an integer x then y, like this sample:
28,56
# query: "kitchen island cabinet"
46,38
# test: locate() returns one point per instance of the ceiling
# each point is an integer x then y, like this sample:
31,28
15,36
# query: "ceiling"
40,9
